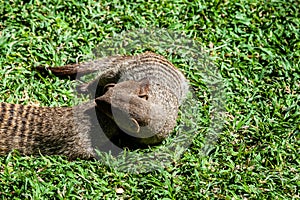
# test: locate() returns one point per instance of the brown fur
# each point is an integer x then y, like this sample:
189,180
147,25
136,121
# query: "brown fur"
136,96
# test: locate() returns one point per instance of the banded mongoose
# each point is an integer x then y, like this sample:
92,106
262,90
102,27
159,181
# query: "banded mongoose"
137,96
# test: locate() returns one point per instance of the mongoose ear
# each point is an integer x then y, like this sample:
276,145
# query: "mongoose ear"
145,82
98,101
144,88
134,125
101,100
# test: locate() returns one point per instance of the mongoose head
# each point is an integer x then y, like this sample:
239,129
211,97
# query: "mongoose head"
129,104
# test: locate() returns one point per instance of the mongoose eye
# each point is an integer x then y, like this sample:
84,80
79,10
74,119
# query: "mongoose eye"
108,86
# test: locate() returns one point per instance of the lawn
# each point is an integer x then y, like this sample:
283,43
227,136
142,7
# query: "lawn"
252,51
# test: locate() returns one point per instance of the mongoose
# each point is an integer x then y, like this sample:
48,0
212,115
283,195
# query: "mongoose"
137,96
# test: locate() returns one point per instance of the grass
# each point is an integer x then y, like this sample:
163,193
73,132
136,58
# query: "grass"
255,46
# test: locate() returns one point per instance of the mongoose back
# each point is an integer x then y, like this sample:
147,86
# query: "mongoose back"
137,96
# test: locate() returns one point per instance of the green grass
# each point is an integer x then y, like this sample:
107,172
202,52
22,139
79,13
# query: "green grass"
254,44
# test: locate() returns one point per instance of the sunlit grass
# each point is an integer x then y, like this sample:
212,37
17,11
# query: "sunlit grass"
254,44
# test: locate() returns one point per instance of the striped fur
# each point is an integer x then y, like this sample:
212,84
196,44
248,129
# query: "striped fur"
78,131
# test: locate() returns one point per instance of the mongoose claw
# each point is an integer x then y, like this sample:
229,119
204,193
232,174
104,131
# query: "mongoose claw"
134,125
